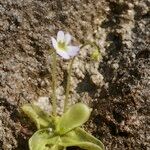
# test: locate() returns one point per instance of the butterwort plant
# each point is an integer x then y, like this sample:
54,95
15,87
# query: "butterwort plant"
56,132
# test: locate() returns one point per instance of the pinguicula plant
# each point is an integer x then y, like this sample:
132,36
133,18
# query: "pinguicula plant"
56,132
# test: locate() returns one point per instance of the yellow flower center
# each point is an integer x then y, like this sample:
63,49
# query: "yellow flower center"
62,46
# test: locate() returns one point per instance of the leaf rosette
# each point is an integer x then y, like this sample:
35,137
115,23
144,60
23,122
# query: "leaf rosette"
58,133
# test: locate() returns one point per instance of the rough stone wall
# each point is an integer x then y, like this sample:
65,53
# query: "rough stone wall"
117,87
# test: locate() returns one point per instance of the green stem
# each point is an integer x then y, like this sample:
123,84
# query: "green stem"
54,102
69,74
89,43
68,85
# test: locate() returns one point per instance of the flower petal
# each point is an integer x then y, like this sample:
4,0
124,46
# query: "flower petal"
54,42
73,50
67,38
63,54
60,36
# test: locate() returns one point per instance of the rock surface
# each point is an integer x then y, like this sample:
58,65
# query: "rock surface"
117,87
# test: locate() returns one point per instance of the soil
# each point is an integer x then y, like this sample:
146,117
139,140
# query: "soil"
117,87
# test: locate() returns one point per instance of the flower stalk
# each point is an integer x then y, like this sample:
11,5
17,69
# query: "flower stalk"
93,44
54,101
68,84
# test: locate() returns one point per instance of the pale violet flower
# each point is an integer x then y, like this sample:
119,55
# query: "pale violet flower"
63,46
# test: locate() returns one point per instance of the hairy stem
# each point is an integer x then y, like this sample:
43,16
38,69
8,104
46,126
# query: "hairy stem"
89,43
68,85
54,102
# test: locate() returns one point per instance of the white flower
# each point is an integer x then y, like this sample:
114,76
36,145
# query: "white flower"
63,45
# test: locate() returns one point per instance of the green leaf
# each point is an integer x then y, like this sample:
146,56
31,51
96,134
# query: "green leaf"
38,116
77,115
82,139
43,139
46,139
85,136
